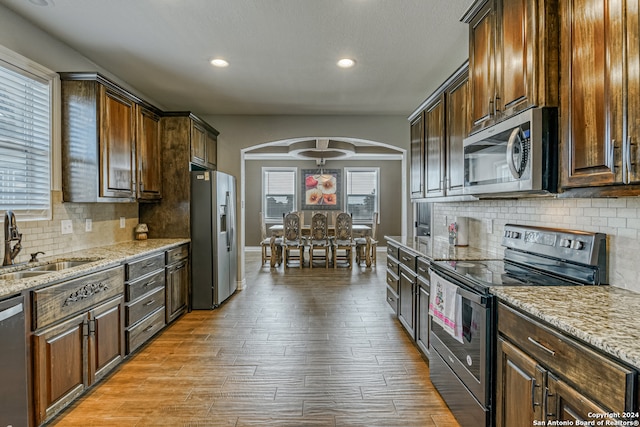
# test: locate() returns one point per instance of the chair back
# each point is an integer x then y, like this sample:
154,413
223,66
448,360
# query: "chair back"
300,215
291,227
343,227
374,225
263,228
319,227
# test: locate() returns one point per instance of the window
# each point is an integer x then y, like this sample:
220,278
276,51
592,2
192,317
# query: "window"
362,195
278,192
25,141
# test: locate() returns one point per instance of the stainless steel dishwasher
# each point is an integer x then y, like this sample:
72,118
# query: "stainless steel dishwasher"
13,364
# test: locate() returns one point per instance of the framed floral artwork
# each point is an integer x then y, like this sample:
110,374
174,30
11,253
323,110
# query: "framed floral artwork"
322,189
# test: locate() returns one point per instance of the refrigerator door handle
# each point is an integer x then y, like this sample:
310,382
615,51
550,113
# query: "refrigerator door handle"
226,219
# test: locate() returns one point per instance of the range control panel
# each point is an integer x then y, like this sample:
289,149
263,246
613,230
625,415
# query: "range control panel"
572,245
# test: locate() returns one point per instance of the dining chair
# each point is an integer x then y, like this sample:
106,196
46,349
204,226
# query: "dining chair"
292,241
343,240
366,246
271,245
319,239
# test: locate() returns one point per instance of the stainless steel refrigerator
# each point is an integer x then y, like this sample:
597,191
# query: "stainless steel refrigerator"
213,245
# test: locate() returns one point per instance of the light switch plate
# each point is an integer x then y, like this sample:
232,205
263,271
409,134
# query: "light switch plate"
88,225
123,222
66,226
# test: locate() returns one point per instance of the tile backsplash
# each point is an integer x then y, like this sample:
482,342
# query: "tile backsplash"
46,236
618,218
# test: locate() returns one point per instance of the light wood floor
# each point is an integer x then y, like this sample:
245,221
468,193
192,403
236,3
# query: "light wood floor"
296,348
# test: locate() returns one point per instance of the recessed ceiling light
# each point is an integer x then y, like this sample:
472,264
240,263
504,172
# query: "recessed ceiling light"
218,62
346,63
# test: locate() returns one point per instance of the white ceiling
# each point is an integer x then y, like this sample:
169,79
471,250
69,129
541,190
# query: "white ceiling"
282,53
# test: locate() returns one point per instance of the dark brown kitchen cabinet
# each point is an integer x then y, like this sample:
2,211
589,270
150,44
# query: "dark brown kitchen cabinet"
631,163
434,142
513,57
75,353
148,154
177,282
543,375
417,157
591,110
108,138
457,129
203,145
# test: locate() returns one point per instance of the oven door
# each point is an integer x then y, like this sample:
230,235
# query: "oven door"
469,359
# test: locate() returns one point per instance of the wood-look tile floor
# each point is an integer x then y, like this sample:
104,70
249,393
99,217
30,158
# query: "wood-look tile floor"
297,348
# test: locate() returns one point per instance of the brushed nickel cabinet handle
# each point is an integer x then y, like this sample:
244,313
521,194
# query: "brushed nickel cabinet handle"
149,303
533,394
542,347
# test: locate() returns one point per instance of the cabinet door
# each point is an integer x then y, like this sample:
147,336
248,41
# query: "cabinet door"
482,66
407,304
434,142
60,373
566,404
516,53
211,148
106,338
177,290
148,155
457,130
417,157
117,134
423,326
632,154
520,388
198,144
591,98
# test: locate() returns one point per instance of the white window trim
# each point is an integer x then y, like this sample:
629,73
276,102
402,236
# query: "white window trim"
346,181
293,169
11,59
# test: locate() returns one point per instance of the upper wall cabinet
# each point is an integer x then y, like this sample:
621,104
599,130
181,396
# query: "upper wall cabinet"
110,140
513,58
595,150
204,143
438,128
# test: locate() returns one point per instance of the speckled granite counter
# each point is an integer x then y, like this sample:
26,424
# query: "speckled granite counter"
101,257
438,249
604,316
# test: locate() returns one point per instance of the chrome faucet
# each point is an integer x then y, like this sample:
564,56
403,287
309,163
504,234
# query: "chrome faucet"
11,234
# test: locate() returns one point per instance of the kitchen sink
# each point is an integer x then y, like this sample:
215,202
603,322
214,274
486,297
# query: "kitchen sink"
22,274
59,265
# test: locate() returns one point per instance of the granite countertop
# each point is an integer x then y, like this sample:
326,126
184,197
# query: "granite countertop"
100,258
603,316
439,249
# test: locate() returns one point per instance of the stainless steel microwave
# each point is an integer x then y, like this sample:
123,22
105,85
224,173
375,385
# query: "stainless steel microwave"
517,156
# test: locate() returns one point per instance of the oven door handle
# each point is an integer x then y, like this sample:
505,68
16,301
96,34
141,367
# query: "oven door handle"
473,297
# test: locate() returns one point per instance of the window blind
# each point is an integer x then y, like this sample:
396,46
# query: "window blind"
279,192
362,194
24,144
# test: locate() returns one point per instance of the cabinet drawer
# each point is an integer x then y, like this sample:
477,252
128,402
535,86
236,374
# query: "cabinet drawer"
56,302
144,305
392,265
392,300
177,254
139,334
408,259
423,269
141,286
602,379
392,281
392,250
145,266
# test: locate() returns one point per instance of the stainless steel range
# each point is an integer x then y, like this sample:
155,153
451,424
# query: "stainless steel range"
462,359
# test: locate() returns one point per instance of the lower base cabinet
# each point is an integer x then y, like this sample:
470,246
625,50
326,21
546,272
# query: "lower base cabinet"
75,353
543,376
177,282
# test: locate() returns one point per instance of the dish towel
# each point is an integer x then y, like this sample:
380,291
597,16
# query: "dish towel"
445,306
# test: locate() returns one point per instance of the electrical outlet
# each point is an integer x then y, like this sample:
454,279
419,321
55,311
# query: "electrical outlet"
488,225
88,225
123,222
66,226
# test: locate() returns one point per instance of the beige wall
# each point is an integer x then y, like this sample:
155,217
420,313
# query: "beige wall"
390,181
